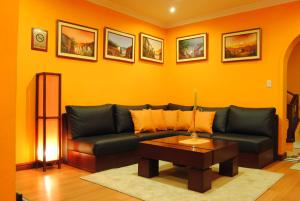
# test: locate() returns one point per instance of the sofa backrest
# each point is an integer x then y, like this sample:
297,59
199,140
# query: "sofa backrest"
123,120
255,121
158,107
172,106
87,121
220,121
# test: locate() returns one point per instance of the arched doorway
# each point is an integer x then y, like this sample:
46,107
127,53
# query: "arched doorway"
289,81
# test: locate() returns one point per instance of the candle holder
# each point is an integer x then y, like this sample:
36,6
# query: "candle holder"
193,133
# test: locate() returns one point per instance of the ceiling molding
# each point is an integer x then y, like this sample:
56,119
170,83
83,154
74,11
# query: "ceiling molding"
235,10
127,11
240,9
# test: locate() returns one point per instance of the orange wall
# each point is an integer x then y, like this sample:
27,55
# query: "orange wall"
84,83
239,83
293,71
218,84
8,52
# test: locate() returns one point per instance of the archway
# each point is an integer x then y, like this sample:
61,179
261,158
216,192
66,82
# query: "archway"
283,126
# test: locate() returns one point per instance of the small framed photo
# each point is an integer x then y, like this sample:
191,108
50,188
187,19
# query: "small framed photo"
39,39
151,48
191,48
76,41
241,45
119,45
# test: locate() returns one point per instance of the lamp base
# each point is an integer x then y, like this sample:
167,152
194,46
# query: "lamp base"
45,164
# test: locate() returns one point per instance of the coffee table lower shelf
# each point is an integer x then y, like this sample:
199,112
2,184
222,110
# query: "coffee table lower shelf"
198,179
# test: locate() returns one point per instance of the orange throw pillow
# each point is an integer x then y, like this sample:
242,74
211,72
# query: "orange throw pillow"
203,122
158,118
142,120
171,118
185,120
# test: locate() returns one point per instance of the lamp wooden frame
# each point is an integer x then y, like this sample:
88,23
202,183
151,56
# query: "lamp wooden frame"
44,117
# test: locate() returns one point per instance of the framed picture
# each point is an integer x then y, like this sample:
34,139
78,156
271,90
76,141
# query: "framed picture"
242,45
119,45
191,48
39,39
76,41
151,48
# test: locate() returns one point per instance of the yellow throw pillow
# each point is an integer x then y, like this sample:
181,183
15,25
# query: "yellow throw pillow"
185,120
142,120
203,122
158,118
171,118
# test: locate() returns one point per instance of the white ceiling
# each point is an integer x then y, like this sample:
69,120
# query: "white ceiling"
187,11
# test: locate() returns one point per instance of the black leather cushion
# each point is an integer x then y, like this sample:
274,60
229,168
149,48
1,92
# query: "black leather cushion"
172,106
204,135
220,120
155,135
90,120
169,133
123,117
158,107
256,121
105,144
247,143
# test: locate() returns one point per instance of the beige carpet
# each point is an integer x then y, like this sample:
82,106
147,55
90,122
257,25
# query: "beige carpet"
171,184
296,166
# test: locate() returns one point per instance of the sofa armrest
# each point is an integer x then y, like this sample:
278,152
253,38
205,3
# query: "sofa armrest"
66,135
275,138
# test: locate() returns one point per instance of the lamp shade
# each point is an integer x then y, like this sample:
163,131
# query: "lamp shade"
48,118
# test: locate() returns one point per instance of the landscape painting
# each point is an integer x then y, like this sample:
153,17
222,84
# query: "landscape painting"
119,45
77,41
243,45
151,48
192,48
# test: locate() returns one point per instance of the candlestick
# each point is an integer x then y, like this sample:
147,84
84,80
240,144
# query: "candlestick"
195,98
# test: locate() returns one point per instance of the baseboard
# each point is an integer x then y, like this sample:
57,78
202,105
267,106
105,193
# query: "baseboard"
281,157
25,166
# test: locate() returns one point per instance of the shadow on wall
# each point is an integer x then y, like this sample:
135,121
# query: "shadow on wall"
30,114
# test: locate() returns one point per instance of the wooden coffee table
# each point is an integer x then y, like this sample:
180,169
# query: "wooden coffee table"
198,158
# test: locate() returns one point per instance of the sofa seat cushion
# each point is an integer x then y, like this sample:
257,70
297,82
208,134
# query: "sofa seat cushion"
204,135
105,144
156,135
169,133
247,143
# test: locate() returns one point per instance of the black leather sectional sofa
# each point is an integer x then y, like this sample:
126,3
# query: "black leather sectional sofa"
96,138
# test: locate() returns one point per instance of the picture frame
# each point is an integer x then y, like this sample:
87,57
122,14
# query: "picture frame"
39,39
191,48
119,45
241,45
76,41
151,48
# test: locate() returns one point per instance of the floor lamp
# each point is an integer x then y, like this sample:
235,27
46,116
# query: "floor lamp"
48,119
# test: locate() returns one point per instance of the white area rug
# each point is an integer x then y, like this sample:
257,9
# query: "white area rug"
171,184
297,145
295,166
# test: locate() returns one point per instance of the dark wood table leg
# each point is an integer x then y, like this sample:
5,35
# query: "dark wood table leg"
148,167
229,167
199,180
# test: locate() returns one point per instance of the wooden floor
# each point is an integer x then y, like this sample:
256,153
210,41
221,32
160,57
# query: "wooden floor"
65,184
